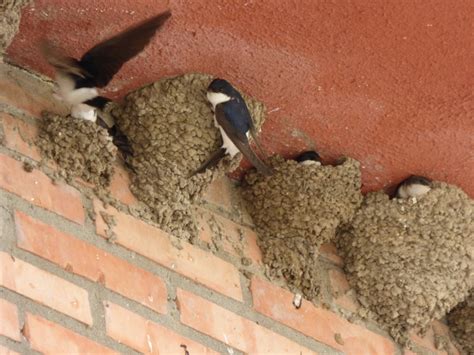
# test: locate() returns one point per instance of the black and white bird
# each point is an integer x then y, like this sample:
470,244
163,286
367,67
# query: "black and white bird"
309,157
78,80
413,186
232,117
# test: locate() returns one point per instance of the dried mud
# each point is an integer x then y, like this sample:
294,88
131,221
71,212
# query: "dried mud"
9,20
79,148
171,129
411,261
295,211
461,323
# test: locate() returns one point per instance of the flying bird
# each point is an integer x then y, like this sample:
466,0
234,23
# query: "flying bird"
413,186
309,157
232,117
78,80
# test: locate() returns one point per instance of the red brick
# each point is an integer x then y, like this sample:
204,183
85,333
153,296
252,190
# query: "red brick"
219,193
50,338
5,351
232,329
9,325
38,189
119,186
339,289
316,322
44,288
329,252
145,336
155,244
91,262
19,136
234,238
26,92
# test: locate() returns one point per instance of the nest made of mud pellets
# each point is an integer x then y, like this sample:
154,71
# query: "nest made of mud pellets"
298,209
411,261
461,323
171,129
80,148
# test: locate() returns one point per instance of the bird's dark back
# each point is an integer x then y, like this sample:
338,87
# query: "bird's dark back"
238,114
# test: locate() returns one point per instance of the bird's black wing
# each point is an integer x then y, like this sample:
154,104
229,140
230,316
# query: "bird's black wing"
253,130
105,59
61,62
240,140
210,162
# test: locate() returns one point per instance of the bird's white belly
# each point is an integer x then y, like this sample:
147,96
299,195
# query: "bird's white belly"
227,144
84,112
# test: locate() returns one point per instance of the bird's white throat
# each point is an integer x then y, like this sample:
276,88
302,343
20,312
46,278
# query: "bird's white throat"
216,98
413,190
310,162
68,92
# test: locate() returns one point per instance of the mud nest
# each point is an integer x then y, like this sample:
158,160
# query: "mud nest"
9,20
411,261
296,210
80,148
171,129
461,323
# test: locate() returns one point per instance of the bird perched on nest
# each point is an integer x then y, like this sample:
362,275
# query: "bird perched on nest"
413,186
232,117
309,157
77,80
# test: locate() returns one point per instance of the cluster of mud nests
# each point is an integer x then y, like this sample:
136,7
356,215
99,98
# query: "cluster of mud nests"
461,323
80,148
171,129
296,210
411,261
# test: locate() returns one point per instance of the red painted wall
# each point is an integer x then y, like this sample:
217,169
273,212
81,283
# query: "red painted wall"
387,82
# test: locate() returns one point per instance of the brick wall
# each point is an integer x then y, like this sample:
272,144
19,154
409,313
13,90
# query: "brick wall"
66,287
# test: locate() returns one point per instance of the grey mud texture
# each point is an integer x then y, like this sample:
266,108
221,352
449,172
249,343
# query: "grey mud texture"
295,211
461,323
171,128
411,261
79,148
9,21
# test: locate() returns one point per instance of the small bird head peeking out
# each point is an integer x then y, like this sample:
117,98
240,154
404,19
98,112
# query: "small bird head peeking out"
413,186
220,91
309,157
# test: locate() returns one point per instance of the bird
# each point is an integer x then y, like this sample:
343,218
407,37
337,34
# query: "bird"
413,186
78,80
232,118
309,157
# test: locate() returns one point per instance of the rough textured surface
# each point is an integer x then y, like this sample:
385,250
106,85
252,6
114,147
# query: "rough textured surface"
79,148
359,78
9,20
461,323
171,129
298,209
411,261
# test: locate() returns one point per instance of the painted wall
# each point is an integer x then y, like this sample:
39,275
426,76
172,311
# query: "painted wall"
387,82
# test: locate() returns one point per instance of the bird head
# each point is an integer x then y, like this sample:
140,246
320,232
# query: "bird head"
309,157
414,186
220,91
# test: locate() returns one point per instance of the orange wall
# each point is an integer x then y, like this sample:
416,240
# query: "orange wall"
387,82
